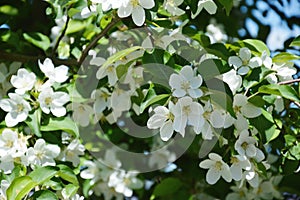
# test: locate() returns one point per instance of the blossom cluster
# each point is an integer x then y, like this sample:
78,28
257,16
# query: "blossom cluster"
136,8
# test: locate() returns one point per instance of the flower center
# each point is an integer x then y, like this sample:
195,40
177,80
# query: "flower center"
244,145
186,110
237,109
218,165
185,85
134,3
170,116
40,155
9,144
48,101
245,63
110,69
233,160
20,108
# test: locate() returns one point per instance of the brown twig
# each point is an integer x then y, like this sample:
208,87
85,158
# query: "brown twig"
96,39
5,56
60,37
289,82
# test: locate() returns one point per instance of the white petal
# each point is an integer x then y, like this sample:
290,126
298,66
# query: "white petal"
235,61
245,54
236,172
217,119
195,93
239,100
210,7
148,4
212,176
47,66
179,93
58,111
251,151
175,81
250,111
206,164
6,105
226,175
61,73
138,15
125,11
243,70
166,131
255,62
187,72
10,121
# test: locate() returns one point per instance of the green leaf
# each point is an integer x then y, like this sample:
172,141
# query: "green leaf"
38,39
20,187
75,26
284,57
66,124
42,174
295,42
219,50
33,121
211,68
257,45
227,5
8,10
119,55
73,11
152,100
70,190
67,174
44,195
285,91
167,186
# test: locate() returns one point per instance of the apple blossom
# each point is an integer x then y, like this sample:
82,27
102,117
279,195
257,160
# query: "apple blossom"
172,7
208,5
23,81
53,102
17,109
136,9
163,119
81,113
239,163
186,83
72,152
42,154
243,63
186,112
217,168
123,182
54,74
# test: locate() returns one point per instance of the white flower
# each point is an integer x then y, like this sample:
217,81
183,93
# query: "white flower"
91,171
53,101
81,113
110,163
42,154
186,83
251,176
74,197
101,188
88,11
246,146
283,72
17,109
136,9
8,142
161,158
134,77
102,98
238,164
24,81
216,32
117,105
55,74
243,109
216,168
162,119
72,152
187,112
244,62
208,5
109,71
172,7
233,80
7,163
109,4
124,182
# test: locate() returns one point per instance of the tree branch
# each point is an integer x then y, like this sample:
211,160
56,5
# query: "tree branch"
60,37
96,39
289,82
5,56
